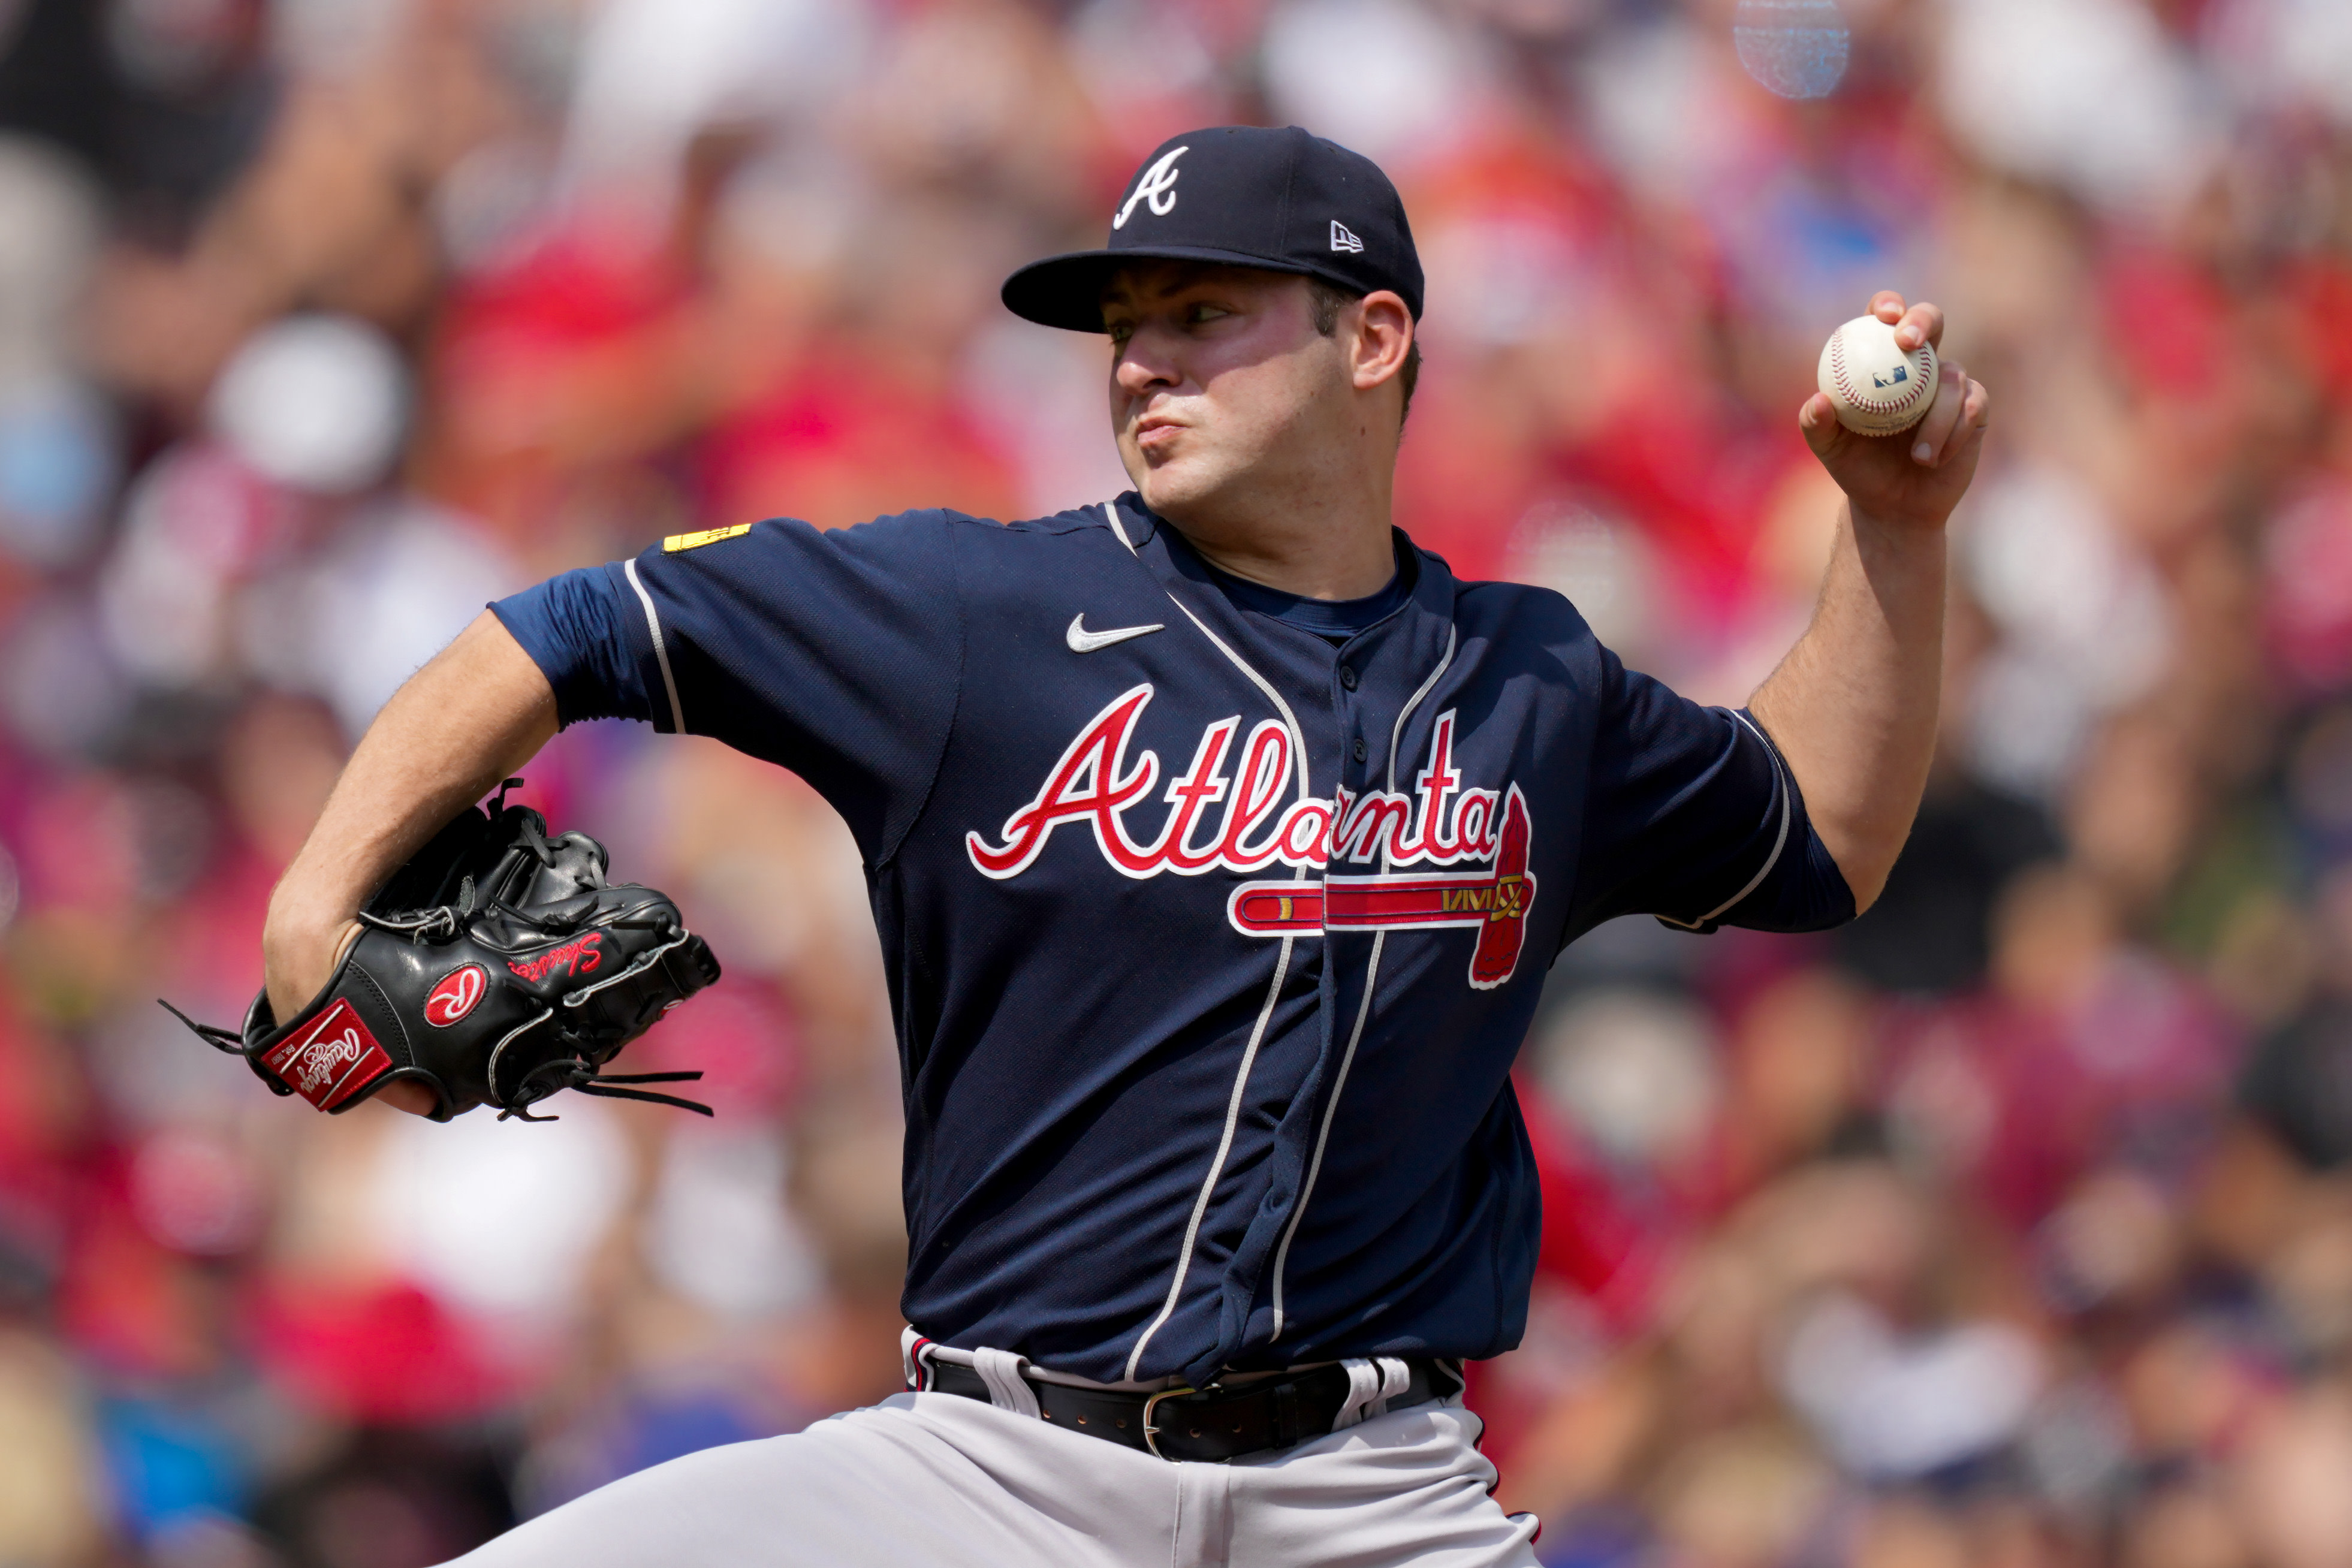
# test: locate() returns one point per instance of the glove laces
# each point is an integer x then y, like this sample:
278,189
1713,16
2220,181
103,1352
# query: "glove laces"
569,1072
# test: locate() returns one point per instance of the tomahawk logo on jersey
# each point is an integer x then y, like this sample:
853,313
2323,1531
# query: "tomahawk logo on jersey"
1212,932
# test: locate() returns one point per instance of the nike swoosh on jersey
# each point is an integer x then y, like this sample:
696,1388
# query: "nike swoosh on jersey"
1084,641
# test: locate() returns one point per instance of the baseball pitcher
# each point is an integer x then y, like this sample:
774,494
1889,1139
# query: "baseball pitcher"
1219,840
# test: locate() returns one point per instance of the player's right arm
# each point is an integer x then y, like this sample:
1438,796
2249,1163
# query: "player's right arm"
836,655
478,712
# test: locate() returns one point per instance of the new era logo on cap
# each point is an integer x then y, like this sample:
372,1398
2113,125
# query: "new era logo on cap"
1250,197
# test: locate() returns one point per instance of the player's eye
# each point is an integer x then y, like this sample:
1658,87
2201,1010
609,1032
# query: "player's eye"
1119,332
1200,312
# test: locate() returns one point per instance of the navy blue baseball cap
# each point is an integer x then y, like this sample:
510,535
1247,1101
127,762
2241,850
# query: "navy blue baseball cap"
1247,197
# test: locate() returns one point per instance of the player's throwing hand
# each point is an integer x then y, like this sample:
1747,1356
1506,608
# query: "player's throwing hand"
1917,476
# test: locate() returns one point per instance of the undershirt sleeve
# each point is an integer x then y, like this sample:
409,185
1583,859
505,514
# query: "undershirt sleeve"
1692,815
570,624
835,654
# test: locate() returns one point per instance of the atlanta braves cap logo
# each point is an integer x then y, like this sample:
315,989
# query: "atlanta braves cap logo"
1284,200
1157,187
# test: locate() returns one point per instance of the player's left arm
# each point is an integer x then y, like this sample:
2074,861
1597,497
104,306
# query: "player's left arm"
1852,706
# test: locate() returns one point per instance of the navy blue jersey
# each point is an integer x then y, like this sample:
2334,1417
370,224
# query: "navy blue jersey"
1210,940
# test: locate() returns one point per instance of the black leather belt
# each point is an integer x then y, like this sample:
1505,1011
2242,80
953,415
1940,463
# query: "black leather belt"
1212,1423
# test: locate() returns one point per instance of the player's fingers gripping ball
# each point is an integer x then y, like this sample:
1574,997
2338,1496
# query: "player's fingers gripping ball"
497,967
1877,388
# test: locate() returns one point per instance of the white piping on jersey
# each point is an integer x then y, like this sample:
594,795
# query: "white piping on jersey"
1396,731
1323,1133
1779,842
1273,996
1297,736
1290,720
661,651
1110,515
1216,1166
1363,1010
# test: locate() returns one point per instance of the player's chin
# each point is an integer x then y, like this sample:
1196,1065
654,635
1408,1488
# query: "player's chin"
1176,481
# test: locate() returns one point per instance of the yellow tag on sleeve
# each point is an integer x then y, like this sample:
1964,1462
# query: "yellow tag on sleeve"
677,541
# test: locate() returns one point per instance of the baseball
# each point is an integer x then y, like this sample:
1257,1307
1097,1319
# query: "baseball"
1877,388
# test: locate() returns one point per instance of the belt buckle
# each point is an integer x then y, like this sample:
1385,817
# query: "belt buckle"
1150,1432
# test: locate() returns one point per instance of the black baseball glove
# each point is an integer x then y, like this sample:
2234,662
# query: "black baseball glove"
496,967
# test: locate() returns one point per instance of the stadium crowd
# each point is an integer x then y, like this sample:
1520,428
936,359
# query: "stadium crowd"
2009,1227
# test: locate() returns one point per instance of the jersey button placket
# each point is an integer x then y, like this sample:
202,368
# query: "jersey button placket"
1348,680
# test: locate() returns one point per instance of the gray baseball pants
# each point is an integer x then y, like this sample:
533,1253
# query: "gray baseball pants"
938,1480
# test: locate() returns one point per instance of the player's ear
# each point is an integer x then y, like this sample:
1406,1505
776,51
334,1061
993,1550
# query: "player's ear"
1383,335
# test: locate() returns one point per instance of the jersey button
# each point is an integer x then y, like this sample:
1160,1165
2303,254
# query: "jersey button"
1359,749
1347,680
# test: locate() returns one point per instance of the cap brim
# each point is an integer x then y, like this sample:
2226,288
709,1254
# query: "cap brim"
1067,291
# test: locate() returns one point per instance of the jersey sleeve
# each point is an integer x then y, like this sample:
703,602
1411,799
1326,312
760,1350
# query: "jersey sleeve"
834,654
1691,815
570,627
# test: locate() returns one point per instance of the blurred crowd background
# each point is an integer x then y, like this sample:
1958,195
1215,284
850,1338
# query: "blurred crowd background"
2009,1227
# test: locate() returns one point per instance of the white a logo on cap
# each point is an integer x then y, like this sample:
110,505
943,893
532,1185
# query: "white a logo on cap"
1343,240
1158,187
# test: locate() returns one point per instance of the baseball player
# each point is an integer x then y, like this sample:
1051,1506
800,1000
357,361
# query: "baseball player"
1219,840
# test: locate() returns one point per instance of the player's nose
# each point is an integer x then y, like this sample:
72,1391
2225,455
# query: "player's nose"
1146,364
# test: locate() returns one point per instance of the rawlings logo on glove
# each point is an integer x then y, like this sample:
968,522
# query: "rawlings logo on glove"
328,1061
456,995
497,967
